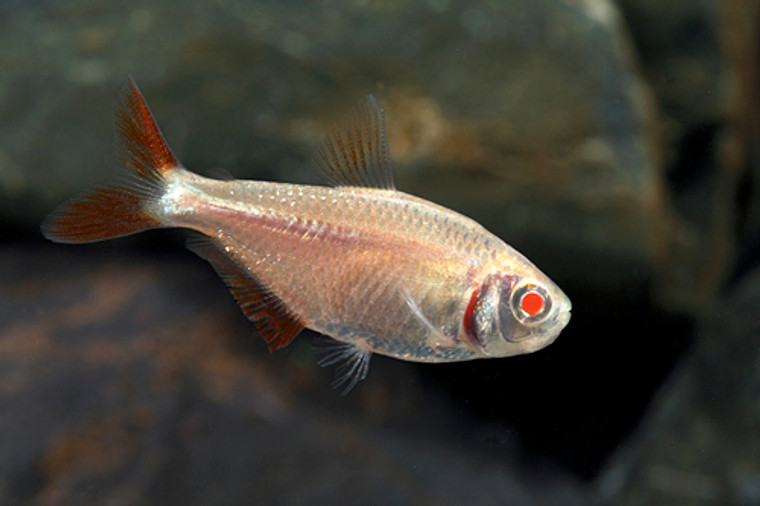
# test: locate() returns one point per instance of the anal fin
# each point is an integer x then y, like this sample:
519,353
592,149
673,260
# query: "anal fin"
273,319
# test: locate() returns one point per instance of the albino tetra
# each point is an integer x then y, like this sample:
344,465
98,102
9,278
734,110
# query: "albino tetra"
375,269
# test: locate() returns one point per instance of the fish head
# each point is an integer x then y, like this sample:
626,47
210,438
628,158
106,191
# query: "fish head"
515,311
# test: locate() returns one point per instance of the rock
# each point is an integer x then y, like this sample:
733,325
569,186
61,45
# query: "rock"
699,445
534,117
529,116
696,445
701,59
129,380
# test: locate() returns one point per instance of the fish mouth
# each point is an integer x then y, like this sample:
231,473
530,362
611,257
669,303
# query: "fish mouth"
561,319
566,309
564,316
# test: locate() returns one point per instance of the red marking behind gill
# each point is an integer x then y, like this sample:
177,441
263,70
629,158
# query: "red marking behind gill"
469,327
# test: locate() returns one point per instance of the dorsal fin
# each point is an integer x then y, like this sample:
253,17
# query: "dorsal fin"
355,152
275,322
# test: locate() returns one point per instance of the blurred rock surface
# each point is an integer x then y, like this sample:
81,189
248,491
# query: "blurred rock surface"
528,115
701,60
533,116
127,382
700,443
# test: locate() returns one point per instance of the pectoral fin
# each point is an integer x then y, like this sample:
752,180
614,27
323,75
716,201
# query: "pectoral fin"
438,338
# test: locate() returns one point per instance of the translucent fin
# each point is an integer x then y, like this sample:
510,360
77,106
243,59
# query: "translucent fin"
101,213
220,174
438,337
124,207
355,152
352,362
274,320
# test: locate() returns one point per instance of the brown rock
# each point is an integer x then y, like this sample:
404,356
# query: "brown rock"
699,444
132,379
529,116
702,62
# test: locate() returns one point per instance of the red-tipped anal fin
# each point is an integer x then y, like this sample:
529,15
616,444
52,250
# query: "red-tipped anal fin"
273,319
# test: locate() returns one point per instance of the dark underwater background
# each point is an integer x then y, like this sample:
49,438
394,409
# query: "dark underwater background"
615,143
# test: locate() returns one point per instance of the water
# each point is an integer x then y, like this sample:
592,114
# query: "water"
128,374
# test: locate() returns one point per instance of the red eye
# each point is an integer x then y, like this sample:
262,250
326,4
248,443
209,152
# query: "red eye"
532,303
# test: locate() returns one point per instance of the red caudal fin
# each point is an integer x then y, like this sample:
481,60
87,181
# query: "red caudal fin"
124,207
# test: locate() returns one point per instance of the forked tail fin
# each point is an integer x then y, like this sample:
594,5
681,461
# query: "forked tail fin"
124,207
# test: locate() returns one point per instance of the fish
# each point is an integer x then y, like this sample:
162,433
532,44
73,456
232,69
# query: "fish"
373,269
